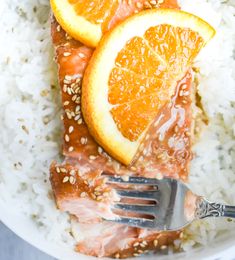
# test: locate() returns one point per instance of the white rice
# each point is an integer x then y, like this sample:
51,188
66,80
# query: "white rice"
30,125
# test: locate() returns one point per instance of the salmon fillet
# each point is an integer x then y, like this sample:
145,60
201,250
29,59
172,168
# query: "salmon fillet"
119,241
79,183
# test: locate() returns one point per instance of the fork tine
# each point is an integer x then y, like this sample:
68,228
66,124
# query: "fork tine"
144,209
133,180
135,222
145,195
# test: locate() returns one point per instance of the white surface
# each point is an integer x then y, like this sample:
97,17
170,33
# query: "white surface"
14,248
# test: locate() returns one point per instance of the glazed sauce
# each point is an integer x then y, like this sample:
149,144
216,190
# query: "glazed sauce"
165,150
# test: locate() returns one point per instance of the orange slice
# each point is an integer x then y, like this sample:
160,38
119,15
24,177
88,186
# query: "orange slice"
86,20
134,72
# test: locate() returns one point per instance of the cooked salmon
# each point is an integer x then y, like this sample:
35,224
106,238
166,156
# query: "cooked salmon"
79,183
119,241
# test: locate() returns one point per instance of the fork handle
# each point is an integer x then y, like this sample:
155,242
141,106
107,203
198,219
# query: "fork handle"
205,209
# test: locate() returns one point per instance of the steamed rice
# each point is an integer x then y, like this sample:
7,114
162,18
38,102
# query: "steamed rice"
30,117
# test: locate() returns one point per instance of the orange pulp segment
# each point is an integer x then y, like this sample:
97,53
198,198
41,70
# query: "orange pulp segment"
87,20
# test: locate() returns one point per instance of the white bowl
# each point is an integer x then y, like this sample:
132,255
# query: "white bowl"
224,248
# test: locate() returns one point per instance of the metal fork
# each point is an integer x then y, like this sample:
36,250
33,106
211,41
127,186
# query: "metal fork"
173,205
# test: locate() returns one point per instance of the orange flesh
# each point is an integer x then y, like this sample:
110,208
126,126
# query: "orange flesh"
110,12
145,75
94,11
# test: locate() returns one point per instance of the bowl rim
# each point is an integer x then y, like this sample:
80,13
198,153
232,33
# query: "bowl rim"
26,229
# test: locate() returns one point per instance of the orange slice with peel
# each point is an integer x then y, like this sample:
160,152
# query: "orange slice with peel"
87,20
134,72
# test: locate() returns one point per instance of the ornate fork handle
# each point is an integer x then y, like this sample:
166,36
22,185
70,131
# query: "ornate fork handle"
205,208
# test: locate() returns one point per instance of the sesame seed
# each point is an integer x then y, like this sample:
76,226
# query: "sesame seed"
81,55
72,114
71,148
163,247
92,157
66,179
63,170
65,88
78,80
74,97
67,77
136,244
145,242
66,81
69,115
66,103
99,198
155,242
25,129
181,235
83,194
78,90
57,169
78,112
100,150
72,180
46,120
117,256
69,91
73,85
135,254
66,54
140,251
71,128
66,137
77,117
83,140
72,172
68,37
98,188
62,117
58,28
80,121
186,93
78,108
78,100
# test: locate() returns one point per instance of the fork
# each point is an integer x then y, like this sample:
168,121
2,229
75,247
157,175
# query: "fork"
173,205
